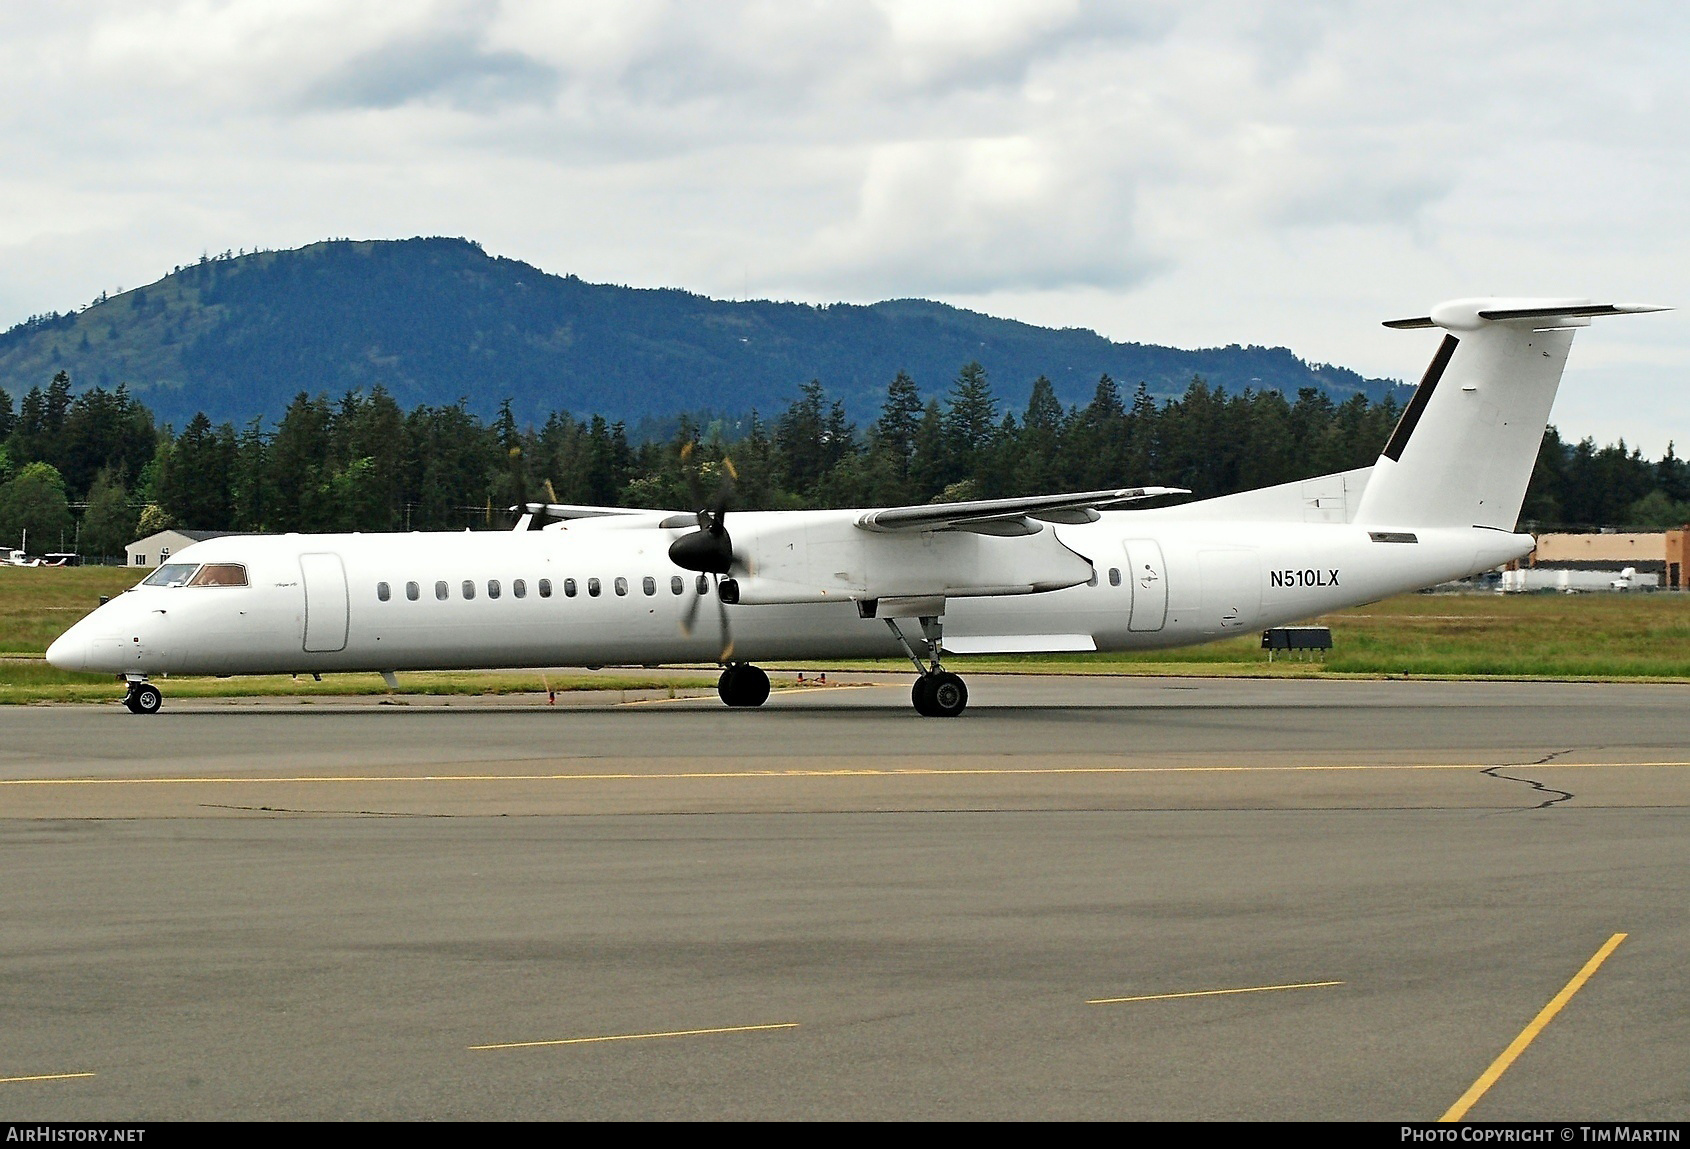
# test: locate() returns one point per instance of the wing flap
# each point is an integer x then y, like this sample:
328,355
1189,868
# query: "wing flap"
1018,643
983,515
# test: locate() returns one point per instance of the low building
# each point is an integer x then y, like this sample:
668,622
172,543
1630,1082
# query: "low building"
153,550
1599,560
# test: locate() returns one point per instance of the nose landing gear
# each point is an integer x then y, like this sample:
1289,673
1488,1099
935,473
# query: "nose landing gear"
143,698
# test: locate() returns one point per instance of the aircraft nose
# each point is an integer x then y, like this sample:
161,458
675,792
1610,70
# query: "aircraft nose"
69,651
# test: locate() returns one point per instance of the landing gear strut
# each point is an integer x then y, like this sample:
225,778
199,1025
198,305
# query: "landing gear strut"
143,698
742,684
937,693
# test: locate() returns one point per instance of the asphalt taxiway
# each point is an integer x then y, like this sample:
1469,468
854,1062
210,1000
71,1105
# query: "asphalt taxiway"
1086,898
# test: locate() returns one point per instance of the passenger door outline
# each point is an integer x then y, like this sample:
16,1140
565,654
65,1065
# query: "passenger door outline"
327,605
1147,576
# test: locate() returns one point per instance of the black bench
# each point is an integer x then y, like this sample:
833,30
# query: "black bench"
1296,638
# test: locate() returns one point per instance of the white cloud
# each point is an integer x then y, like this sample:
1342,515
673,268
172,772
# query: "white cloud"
1196,173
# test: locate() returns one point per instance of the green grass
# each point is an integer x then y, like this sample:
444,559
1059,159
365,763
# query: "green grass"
37,604
1593,636
32,680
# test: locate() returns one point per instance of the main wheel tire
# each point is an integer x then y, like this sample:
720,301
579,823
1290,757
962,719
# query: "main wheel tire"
947,696
146,699
727,686
754,686
921,694
129,702
743,685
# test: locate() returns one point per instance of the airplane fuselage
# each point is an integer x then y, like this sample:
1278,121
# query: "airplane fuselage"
589,596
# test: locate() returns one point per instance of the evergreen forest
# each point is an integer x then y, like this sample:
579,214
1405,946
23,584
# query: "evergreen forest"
93,470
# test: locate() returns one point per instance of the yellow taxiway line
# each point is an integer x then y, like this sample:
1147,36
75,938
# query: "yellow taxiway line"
1209,992
842,772
638,1036
1489,1077
43,1077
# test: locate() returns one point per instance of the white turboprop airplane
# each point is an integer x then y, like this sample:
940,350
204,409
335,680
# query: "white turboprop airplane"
609,586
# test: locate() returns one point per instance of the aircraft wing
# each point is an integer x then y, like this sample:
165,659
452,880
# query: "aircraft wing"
580,511
559,516
1006,516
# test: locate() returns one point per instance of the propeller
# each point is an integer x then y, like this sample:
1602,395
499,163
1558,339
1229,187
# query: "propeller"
708,550
534,514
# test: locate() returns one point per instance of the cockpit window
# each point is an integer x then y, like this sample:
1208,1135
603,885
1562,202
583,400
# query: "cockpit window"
171,574
220,574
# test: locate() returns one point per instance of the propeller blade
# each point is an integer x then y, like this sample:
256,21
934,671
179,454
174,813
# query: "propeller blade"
690,617
727,637
709,549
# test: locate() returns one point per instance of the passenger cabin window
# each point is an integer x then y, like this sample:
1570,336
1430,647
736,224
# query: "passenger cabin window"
621,585
383,591
442,591
593,587
492,588
170,574
220,574
519,588
568,588
677,584
413,591
545,588
469,589
1114,576
649,585
703,584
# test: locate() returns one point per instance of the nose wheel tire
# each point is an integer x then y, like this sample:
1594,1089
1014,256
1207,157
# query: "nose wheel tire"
742,684
143,698
939,694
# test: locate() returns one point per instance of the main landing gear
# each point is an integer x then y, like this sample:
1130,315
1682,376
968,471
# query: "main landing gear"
143,697
742,684
937,693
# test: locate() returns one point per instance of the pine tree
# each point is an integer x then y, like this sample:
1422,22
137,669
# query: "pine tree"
196,483
108,526
971,418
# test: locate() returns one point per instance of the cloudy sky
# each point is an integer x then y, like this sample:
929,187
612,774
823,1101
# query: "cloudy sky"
1188,173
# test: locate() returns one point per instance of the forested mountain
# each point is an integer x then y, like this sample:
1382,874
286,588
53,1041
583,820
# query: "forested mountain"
423,385
433,321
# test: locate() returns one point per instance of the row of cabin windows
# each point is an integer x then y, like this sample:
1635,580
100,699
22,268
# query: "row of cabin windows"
519,587
542,587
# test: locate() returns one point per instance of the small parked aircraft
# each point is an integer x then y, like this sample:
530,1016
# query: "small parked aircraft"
596,586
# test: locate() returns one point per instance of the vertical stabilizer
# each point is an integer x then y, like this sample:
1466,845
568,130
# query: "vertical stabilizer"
1464,450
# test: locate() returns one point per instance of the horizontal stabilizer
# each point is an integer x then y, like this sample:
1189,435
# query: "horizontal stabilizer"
1009,514
1469,314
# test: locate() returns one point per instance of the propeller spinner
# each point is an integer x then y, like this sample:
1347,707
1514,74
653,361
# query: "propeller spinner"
709,549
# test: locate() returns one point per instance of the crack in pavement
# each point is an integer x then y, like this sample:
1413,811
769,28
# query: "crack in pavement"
1561,795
